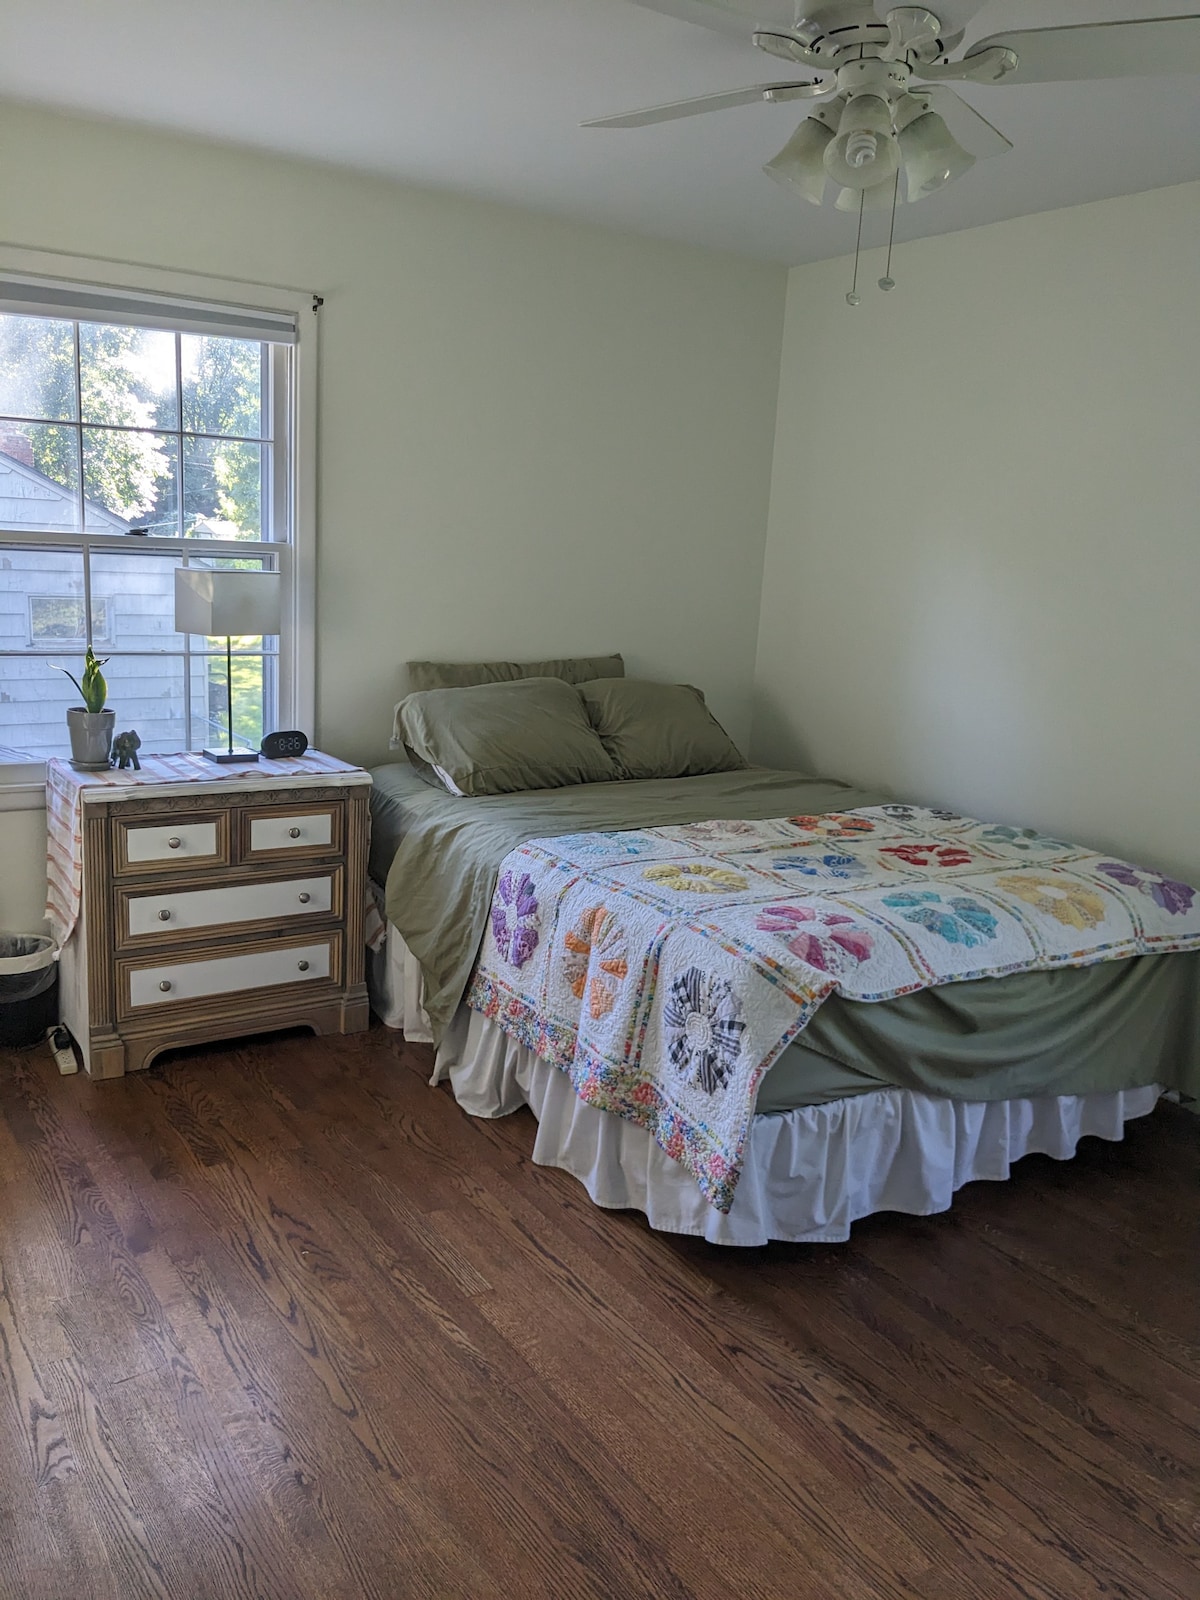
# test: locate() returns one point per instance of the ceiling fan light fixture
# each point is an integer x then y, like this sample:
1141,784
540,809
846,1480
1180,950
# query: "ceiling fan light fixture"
932,155
865,151
877,198
799,164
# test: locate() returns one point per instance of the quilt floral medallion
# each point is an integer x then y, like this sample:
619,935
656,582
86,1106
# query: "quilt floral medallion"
665,970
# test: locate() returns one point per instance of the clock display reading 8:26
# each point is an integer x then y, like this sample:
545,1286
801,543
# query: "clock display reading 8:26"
290,743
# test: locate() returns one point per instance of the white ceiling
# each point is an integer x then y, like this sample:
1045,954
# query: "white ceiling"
484,97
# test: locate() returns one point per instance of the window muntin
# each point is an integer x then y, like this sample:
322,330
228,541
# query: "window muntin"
124,452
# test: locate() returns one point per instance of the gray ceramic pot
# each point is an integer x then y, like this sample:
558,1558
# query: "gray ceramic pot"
91,736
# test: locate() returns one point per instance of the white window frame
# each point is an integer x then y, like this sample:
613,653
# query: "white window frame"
22,784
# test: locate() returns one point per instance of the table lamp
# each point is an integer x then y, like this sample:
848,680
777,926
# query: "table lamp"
219,605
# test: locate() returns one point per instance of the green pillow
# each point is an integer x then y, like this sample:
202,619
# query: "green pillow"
464,674
498,738
658,730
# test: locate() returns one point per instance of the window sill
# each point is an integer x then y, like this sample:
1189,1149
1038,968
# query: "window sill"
22,785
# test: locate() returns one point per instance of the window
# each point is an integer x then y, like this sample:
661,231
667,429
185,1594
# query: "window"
54,618
139,433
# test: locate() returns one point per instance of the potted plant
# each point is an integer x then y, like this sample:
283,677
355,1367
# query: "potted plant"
90,725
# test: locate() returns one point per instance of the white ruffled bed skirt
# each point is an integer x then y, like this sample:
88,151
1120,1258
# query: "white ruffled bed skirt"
808,1174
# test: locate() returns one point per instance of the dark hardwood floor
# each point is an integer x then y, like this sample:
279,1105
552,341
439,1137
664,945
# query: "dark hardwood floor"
277,1319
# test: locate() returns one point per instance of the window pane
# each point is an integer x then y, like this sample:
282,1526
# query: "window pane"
222,385
33,696
146,692
222,489
33,705
37,367
138,587
127,376
253,685
130,480
26,576
39,477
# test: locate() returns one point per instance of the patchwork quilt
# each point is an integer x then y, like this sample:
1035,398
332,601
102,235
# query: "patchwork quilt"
665,969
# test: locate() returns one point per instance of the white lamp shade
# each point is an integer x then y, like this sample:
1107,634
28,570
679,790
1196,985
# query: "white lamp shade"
865,151
219,604
799,163
932,155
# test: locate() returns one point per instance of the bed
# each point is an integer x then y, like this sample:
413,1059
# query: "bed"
886,1105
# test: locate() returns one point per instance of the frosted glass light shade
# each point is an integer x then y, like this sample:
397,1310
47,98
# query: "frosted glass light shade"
865,151
219,604
877,198
799,163
932,156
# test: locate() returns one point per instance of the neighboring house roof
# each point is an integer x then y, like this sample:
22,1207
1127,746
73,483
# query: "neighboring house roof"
29,499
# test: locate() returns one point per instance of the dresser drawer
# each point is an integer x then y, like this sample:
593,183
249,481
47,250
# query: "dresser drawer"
189,841
167,913
144,986
280,831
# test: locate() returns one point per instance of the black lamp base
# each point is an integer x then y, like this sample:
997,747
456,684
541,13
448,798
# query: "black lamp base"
226,756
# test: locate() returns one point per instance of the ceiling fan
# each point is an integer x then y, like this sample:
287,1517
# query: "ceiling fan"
885,111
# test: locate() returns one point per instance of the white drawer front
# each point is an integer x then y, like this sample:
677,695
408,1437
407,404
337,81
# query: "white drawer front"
242,902
261,969
177,842
295,833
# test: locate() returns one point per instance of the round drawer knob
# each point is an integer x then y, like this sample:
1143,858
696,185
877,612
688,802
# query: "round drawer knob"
303,965
174,844
305,898
293,833
164,916
165,985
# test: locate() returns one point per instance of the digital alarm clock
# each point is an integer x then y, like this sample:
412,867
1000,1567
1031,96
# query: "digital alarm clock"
277,746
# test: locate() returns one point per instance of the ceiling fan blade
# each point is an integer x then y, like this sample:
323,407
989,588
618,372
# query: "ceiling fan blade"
971,130
768,92
1101,50
739,17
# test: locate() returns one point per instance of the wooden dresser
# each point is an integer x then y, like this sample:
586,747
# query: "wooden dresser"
207,906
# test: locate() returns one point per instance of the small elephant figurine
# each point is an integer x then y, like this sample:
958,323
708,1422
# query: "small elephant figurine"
125,748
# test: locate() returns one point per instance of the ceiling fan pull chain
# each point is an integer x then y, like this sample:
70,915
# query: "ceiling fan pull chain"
887,281
854,298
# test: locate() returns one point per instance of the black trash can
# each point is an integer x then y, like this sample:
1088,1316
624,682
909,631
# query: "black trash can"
28,988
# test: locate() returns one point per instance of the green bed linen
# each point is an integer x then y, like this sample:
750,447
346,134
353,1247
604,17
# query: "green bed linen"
443,875
1074,1030
397,800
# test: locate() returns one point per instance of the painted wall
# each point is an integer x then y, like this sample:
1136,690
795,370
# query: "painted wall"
536,438
22,870
983,560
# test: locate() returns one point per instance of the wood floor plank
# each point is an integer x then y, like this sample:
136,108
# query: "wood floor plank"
137,1558
278,1321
